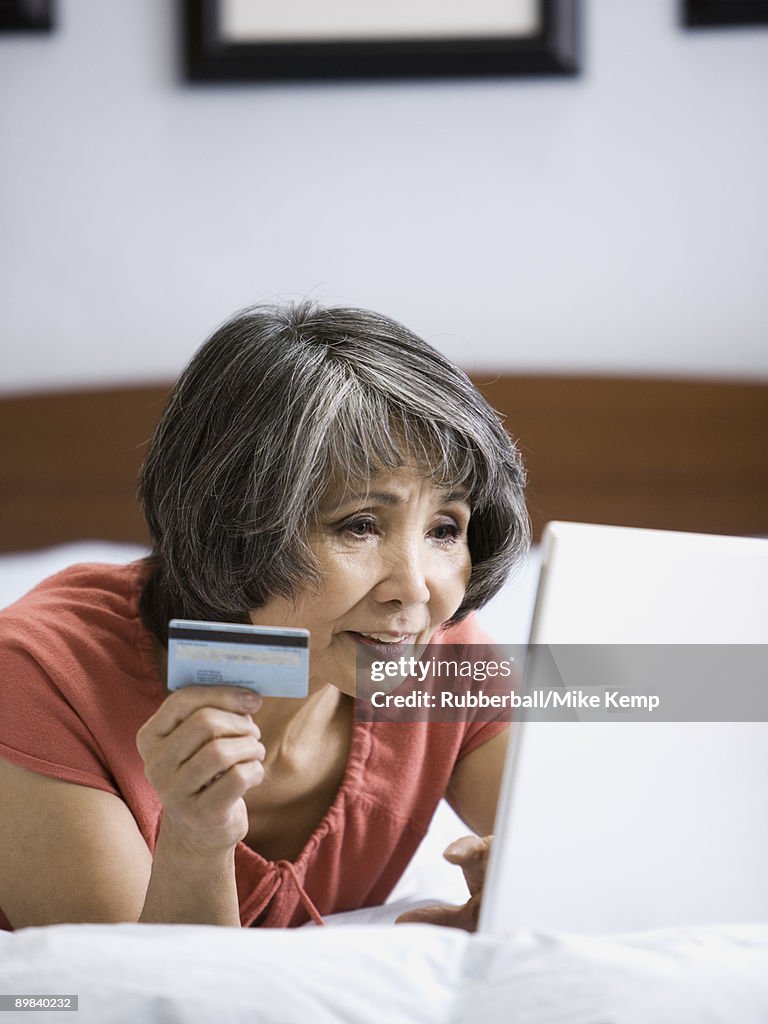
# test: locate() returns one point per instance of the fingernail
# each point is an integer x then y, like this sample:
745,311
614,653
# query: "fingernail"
457,847
250,701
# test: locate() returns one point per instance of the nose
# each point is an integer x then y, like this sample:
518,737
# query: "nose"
403,576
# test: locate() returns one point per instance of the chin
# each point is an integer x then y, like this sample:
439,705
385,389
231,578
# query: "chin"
348,691
337,671
344,683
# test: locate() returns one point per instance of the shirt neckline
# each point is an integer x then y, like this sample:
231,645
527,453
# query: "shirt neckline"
359,751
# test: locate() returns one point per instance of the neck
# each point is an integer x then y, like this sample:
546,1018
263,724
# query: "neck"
285,722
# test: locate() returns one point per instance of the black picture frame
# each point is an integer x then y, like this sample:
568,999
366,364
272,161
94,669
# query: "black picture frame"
553,50
26,15
714,13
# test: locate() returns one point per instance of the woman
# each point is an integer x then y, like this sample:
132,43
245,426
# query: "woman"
316,468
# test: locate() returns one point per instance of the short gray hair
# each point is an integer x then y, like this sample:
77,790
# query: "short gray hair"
279,405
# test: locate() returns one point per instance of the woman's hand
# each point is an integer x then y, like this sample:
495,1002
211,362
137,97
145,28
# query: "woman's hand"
471,854
202,752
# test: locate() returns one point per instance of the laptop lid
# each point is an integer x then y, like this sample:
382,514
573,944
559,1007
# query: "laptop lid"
623,825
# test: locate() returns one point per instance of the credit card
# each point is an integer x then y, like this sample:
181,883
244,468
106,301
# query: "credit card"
271,661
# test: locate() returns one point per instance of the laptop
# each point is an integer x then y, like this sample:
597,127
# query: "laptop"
617,825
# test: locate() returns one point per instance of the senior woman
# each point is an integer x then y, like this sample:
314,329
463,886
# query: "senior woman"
319,468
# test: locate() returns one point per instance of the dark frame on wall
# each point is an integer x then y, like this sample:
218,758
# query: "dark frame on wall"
712,13
553,49
26,15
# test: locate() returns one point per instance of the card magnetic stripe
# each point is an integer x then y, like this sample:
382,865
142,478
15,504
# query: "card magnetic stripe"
236,637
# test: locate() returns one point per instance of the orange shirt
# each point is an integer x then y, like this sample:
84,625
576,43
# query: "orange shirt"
79,679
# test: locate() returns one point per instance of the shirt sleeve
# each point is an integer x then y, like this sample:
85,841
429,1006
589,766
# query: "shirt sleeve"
41,730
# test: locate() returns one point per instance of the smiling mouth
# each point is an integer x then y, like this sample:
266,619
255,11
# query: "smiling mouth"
387,642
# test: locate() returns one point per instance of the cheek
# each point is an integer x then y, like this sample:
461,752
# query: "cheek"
455,576
345,576
464,566
467,565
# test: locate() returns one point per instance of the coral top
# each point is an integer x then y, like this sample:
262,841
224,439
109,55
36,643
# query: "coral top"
79,679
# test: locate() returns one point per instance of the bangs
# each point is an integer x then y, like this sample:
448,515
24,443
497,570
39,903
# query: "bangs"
375,436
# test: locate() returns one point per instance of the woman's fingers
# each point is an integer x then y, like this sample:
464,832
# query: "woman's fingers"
202,752
178,707
216,758
464,917
231,784
197,732
470,853
189,719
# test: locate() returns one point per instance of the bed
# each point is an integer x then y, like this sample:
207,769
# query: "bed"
671,454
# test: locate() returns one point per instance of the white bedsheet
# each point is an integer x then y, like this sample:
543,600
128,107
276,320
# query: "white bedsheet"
412,974
22,570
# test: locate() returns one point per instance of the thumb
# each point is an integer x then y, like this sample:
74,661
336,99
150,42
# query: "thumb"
471,854
467,849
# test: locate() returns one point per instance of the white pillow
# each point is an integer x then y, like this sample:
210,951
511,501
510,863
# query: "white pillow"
21,571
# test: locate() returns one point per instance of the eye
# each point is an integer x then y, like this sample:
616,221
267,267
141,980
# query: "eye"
361,527
445,533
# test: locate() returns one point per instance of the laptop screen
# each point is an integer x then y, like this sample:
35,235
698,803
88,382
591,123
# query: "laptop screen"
616,825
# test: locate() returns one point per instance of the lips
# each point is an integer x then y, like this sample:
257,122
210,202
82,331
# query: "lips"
385,644
386,638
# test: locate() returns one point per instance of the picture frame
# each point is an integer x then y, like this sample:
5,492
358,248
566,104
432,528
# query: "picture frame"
26,15
718,13
480,38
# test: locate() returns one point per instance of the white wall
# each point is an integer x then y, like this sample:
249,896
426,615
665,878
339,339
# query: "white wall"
617,221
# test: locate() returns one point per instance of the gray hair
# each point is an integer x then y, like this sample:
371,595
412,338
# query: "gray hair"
277,407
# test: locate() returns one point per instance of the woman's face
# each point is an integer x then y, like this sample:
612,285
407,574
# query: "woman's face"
395,564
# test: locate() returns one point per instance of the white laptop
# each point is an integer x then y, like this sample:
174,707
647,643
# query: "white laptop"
623,825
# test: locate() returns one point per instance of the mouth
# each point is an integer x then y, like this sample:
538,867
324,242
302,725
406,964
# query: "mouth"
387,645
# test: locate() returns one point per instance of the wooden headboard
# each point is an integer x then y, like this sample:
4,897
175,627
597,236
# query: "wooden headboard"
670,454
